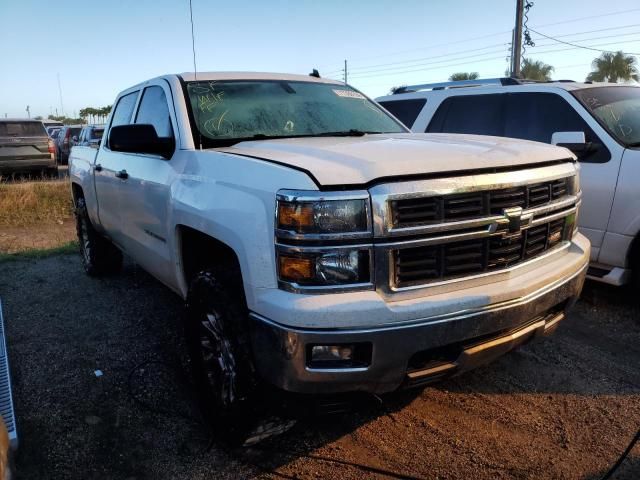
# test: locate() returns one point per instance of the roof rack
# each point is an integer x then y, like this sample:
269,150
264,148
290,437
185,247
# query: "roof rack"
458,84
504,81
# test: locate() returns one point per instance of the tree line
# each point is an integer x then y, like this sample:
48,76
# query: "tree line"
86,115
608,67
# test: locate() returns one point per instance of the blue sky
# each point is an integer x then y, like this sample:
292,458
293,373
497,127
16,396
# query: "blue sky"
99,48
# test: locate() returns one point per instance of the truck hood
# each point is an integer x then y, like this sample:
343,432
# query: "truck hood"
360,160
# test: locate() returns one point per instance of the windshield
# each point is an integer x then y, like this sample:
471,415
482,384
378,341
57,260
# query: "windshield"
226,112
617,109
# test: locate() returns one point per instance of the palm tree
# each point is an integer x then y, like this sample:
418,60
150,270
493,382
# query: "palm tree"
104,111
536,70
464,76
613,67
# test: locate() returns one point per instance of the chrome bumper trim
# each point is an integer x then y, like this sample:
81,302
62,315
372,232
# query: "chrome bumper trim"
280,351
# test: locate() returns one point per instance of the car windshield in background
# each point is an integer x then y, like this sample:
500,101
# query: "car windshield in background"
616,108
226,112
22,129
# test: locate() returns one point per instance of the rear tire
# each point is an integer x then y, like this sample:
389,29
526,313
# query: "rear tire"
99,255
215,331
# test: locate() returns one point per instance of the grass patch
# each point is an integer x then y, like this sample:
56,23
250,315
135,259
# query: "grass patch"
37,253
35,202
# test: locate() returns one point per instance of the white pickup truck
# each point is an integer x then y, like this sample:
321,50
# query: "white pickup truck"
320,246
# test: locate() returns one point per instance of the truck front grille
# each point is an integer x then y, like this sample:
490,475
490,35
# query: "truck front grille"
425,264
411,212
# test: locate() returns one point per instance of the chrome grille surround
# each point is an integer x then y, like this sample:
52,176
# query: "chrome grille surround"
391,238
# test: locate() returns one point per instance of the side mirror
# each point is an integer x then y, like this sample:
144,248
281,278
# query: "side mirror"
574,141
140,138
74,139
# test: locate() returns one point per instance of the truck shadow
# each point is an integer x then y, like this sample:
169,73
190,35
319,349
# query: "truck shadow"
588,345
141,418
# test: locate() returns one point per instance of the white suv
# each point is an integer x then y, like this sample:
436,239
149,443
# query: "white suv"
600,123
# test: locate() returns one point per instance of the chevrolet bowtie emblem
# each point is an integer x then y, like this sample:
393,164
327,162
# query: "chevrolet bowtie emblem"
516,220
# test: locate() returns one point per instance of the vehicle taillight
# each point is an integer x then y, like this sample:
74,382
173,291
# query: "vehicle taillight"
52,149
66,137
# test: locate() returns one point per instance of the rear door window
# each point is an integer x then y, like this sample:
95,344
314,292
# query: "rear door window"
405,110
537,116
22,129
473,114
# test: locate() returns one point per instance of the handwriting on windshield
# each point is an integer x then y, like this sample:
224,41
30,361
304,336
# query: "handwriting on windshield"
211,101
592,102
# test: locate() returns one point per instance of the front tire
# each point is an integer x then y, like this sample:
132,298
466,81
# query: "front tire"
99,255
215,331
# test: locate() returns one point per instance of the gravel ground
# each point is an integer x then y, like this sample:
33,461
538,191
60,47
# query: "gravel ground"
564,407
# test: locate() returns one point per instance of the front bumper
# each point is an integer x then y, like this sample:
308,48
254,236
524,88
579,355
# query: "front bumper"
414,353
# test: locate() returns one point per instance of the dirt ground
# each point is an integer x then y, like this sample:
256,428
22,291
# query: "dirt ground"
560,408
37,237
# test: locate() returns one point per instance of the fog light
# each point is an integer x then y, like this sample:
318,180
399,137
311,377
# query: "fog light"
328,353
331,357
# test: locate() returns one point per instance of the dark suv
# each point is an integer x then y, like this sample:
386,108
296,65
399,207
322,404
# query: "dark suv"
25,146
65,141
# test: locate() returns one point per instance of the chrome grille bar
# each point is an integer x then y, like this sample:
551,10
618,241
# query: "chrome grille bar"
456,231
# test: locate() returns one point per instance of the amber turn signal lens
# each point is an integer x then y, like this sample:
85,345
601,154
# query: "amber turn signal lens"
294,216
296,269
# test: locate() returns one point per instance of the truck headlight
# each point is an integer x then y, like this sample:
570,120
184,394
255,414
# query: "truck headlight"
330,214
344,267
323,240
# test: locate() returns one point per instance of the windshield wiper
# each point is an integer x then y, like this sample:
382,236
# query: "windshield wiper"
345,133
633,145
261,136
340,133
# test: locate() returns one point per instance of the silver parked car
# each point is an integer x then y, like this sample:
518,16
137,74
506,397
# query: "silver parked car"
25,146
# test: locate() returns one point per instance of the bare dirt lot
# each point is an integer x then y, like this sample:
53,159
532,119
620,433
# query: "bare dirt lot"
564,407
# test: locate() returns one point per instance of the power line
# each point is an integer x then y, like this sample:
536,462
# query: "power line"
576,45
398,72
415,61
423,65
599,30
572,20
369,67
421,48
594,38
588,18
598,44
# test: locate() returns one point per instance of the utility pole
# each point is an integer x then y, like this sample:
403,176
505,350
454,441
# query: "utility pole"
345,71
28,112
60,91
517,40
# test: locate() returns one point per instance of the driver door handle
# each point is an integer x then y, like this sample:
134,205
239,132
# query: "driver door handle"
122,174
